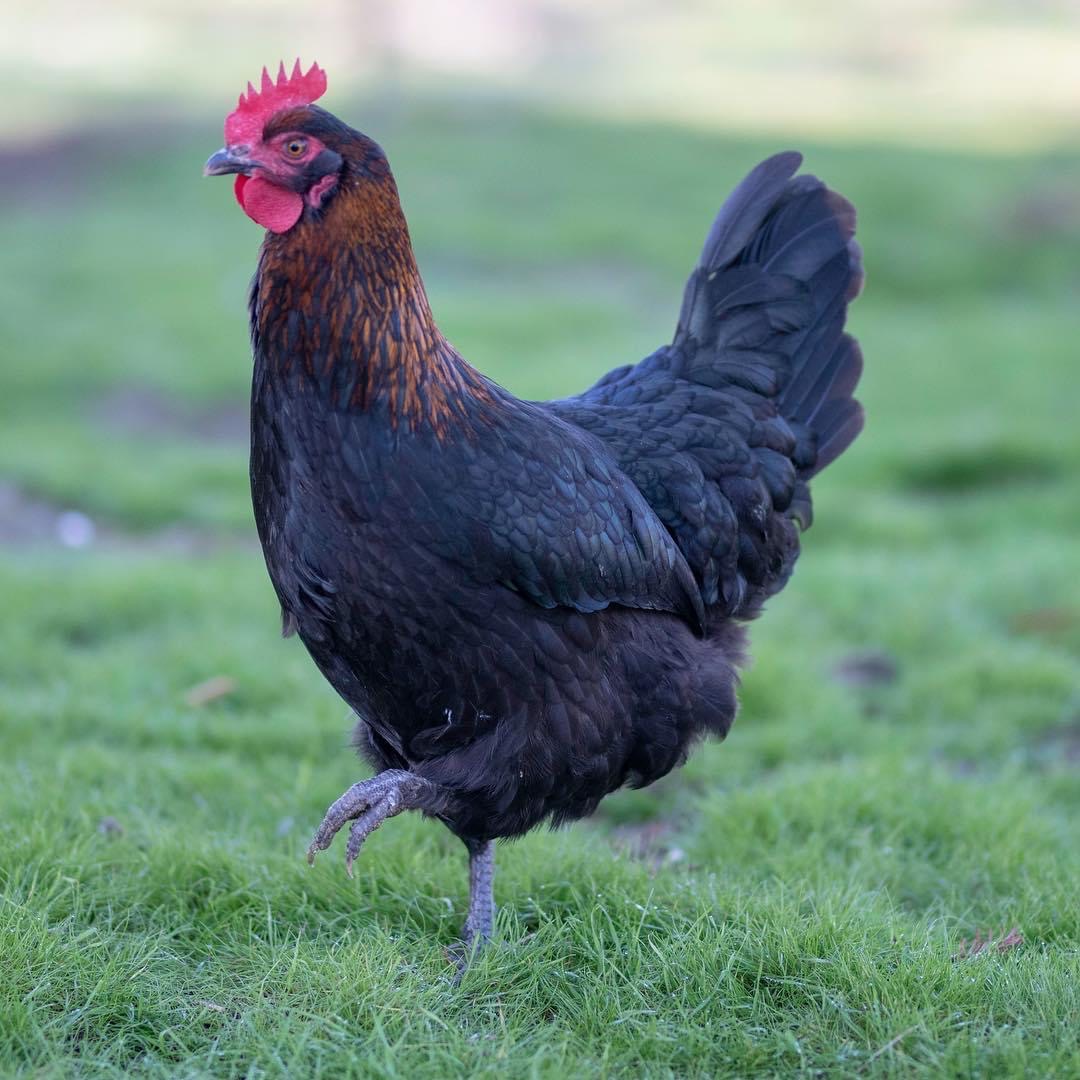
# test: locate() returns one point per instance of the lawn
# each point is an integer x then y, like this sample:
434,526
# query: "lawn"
803,900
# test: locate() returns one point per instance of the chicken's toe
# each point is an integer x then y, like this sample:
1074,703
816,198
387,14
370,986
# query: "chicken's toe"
370,802
367,823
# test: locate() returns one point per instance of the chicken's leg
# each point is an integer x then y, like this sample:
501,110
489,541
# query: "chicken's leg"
371,802
481,919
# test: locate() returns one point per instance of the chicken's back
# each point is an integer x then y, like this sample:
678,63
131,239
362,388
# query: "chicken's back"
723,429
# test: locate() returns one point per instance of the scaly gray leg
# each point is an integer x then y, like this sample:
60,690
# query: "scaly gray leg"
481,918
371,802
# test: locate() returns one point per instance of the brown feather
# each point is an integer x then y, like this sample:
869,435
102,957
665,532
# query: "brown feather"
370,310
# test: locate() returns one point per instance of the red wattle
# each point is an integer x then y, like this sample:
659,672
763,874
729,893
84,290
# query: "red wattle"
275,208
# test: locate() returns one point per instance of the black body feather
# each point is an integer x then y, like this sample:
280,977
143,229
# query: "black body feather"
533,604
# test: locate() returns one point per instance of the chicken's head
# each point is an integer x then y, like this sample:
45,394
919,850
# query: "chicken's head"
276,143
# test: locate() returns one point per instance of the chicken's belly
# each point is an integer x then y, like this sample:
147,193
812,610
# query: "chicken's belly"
531,714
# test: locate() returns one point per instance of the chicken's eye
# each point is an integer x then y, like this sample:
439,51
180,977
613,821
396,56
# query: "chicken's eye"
295,148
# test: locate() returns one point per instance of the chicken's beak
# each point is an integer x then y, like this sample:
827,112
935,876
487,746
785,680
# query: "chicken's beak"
228,160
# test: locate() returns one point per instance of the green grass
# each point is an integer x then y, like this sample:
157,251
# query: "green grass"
793,902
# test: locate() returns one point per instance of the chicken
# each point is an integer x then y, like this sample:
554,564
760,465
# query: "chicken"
527,605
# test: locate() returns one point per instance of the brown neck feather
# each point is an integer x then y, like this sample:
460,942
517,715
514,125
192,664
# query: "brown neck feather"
342,290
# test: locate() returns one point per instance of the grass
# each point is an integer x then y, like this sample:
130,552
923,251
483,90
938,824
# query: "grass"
794,902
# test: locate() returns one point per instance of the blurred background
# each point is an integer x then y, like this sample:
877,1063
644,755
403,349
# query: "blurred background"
988,73
559,162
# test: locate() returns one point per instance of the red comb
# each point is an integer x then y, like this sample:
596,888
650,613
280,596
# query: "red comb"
245,123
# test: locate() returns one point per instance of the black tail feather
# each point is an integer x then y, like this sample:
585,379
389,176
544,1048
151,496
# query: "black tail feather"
837,426
765,307
746,208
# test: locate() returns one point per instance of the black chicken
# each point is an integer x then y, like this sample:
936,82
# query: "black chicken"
526,604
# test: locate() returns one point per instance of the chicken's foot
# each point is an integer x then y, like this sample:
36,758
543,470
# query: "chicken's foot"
371,802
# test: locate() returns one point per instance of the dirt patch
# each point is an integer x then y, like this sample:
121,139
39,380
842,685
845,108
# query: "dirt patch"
41,172
24,520
109,826
976,468
982,942
135,410
865,669
1059,745
64,167
1047,210
650,842
30,521
1049,622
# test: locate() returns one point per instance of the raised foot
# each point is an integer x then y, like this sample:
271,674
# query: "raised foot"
371,802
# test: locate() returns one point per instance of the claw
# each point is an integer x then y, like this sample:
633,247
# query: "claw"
353,803
368,804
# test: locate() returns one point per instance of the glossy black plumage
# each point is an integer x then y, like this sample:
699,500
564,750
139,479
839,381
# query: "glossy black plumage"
531,604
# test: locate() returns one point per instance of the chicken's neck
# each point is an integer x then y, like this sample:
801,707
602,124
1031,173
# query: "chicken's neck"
338,306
